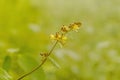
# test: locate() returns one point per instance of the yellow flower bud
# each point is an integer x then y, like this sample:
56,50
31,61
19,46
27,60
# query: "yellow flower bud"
75,26
64,38
52,36
65,28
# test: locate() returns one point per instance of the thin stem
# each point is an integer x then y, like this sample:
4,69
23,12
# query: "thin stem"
53,48
36,68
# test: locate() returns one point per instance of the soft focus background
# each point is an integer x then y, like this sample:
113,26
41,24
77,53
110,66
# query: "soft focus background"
93,53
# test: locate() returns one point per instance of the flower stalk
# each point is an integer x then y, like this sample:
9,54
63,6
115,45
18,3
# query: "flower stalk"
59,37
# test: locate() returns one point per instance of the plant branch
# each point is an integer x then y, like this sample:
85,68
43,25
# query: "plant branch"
59,37
36,68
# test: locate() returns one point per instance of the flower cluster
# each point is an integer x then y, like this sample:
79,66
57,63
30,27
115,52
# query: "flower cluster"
75,26
61,35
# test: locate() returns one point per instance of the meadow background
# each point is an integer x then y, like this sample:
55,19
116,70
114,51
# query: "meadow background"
93,53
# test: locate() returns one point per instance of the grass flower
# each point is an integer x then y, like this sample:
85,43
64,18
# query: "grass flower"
75,26
65,28
59,37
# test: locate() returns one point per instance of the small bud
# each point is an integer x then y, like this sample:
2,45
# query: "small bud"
64,38
65,28
75,26
52,36
57,36
44,54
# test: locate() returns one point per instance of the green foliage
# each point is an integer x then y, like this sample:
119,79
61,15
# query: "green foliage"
4,75
28,63
54,62
7,63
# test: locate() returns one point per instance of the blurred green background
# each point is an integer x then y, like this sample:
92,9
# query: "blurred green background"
93,53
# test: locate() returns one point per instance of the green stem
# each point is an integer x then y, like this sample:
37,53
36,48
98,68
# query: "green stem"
36,68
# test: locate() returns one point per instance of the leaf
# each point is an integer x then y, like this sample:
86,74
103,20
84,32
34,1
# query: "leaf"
54,63
7,63
4,75
28,63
